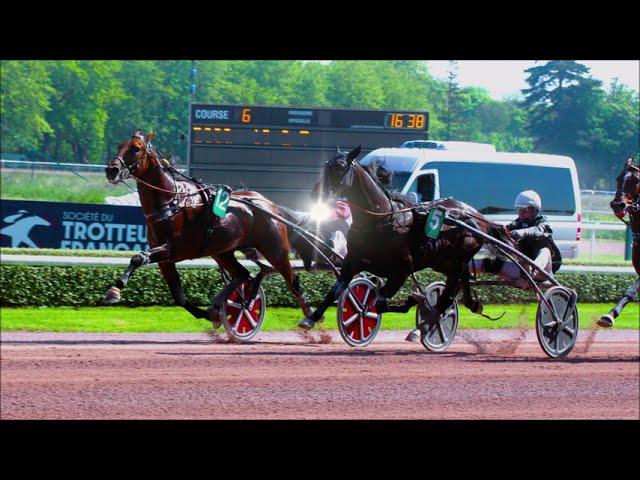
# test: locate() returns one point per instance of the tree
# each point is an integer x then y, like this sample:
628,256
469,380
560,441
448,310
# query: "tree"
453,99
85,91
617,133
354,84
25,93
562,103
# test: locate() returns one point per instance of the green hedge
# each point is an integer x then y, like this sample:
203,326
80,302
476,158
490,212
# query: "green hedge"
85,286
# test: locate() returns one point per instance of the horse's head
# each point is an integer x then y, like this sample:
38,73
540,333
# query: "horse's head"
627,188
135,157
337,175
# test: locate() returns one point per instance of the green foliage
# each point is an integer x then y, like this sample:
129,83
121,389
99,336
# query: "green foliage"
85,286
81,110
25,92
570,114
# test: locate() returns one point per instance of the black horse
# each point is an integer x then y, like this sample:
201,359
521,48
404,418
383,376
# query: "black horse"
387,239
627,201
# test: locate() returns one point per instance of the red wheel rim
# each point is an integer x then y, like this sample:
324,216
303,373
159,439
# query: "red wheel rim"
242,320
359,323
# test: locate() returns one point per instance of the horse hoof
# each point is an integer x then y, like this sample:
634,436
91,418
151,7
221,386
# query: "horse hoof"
214,317
606,321
306,324
412,337
112,296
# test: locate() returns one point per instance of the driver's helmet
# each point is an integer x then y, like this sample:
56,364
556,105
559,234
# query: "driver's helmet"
528,198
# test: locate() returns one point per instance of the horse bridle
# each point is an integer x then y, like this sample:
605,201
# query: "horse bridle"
347,178
147,149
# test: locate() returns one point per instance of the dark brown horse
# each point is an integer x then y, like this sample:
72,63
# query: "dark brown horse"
627,202
182,226
394,245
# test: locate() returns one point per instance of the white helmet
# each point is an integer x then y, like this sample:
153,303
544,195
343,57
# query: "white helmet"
528,198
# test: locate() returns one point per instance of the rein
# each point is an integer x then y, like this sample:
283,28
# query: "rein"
168,191
409,209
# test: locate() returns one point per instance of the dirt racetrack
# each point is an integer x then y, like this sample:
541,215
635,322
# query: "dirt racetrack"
484,375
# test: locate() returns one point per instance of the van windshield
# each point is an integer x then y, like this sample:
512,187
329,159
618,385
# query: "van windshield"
492,188
398,180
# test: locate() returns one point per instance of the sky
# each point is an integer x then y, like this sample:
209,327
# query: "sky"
505,78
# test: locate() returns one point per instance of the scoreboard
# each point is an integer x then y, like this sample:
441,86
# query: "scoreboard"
279,151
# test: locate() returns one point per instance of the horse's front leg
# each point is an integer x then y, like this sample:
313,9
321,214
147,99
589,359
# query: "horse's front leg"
157,254
346,274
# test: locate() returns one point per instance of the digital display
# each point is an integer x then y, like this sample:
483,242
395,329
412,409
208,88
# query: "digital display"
284,117
406,120
279,151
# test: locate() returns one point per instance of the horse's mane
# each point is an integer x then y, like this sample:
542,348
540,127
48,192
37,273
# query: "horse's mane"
382,177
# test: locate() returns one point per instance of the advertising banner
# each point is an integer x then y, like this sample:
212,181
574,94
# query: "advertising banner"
72,226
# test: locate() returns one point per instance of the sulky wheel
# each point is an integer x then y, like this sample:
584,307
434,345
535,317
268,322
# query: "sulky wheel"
557,340
358,321
441,333
242,317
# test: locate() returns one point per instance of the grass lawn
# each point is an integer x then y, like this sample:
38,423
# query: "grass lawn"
175,319
599,260
59,187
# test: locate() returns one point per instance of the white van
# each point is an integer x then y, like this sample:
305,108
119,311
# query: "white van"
489,181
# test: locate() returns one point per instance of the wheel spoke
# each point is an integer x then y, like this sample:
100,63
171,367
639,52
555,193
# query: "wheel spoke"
371,315
354,302
366,296
566,313
233,304
348,322
361,323
569,330
441,332
237,322
247,314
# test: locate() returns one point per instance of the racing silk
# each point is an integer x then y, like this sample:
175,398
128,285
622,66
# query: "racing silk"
537,234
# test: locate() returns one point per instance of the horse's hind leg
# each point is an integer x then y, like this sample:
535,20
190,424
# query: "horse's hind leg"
171,276
632,293
239,274
448,295
471,303
281,263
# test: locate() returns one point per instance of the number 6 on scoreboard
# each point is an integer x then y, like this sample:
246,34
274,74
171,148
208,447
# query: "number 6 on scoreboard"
246,115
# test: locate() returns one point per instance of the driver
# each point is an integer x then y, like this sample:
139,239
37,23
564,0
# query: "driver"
534,239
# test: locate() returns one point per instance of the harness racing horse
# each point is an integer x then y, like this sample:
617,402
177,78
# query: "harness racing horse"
387,239
181,226
627,201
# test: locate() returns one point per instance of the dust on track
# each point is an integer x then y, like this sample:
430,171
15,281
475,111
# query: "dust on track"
483,375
